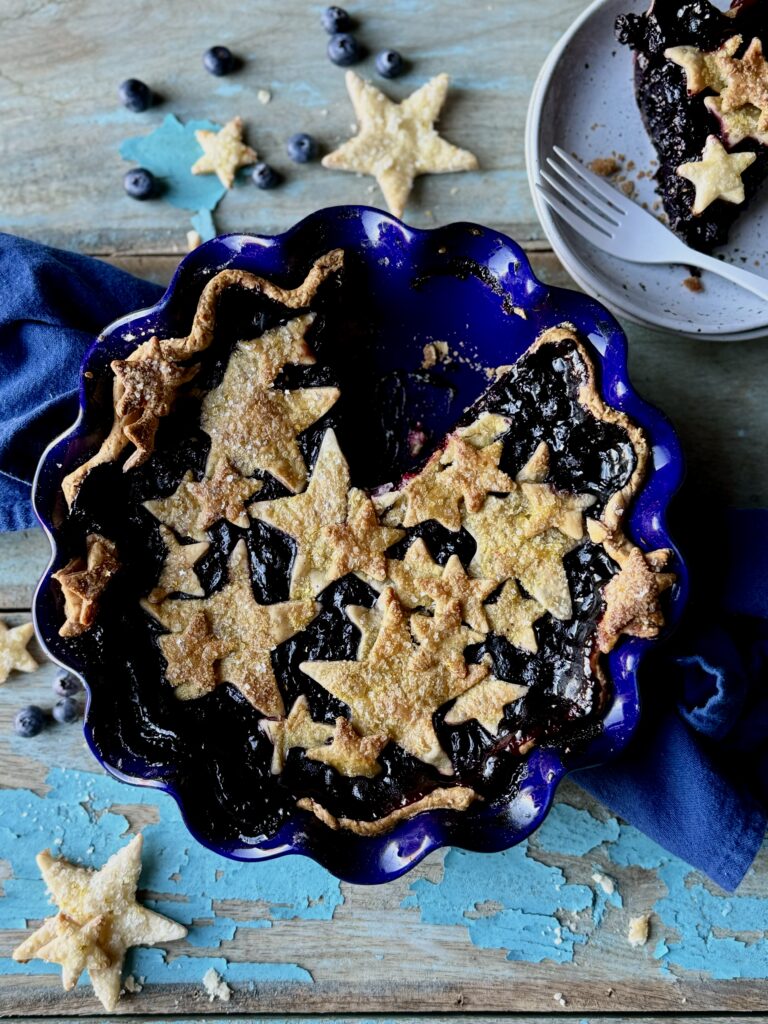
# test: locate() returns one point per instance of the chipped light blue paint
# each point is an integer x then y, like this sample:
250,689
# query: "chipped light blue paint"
722,936
738,950
75,818
573,831
228,89
305,94
203,224
169,152
508,901
604,896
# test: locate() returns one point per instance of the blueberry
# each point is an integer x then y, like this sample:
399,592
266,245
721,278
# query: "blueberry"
135,95
335,20
302,148
66,685
265,176
29,721
66,710
344,49
219,60
139,183
389,64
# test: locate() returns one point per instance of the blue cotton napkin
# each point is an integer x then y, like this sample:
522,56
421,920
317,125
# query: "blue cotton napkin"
695,776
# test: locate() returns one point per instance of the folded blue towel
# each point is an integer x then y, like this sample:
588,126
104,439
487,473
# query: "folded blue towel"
694,778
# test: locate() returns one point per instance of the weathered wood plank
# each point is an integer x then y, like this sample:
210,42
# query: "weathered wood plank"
60,172
416,945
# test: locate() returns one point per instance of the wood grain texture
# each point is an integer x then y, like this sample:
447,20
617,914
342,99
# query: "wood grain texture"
60,182
61,173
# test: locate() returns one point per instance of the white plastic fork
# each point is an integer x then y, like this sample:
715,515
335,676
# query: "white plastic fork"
617,225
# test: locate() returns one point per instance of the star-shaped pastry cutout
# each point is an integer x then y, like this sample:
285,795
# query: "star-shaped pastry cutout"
223,495
75,947
83,581
148,383
279,346
704,69
224,152
368,621
469,593
349,753
396,142
13,649
83,896
484,430
180,510
442,638
257,428
409,574
297,730
485,703
747,83
358,544
526,535
738,124
429,494
177,575
191,656
475,471
305,517
513,616
249,630
717,175
631,598
387,696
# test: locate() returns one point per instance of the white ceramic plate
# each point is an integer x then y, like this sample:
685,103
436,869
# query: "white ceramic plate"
584,101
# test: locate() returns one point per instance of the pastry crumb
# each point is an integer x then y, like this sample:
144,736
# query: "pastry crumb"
606,884
215,986
193,240
434,352
605,166
693,284
264,96
639,928
628,188
560,998
132,984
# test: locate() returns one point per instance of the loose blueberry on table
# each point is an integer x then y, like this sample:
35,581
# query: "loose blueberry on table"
66,685
67,710
264,625
344,49
29,721
302,148
219,60
135,95
335,20
264,176
389,64
139,183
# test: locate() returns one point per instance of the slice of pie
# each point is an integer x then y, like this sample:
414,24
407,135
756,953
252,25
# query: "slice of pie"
279,639
701,82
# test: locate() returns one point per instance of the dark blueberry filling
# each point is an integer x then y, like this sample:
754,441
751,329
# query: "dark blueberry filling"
219,756
678,123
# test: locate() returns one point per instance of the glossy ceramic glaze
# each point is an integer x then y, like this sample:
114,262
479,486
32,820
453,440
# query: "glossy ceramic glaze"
473,288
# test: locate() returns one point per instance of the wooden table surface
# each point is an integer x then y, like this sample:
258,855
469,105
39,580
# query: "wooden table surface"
539,930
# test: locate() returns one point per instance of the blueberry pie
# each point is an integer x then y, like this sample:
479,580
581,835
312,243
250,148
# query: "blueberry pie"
306,642
701,81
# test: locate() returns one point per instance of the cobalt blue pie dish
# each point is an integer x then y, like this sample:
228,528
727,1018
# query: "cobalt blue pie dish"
358,542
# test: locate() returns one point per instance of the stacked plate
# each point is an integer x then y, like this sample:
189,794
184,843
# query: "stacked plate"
583,101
